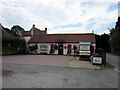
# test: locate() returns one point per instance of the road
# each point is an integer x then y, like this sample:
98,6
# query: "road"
47,76
113,59
38,59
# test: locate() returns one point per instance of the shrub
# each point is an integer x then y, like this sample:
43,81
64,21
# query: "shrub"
13,45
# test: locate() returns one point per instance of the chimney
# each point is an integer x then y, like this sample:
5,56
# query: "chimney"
32,30
45,29
33,25
92,31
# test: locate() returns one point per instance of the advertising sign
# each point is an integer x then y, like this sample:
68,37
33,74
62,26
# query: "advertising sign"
84,47
43,47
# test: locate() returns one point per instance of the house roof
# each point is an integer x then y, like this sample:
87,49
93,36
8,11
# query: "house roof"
2,30
25,33
35,31
73,38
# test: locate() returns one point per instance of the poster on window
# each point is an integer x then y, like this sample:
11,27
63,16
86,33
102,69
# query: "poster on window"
43,47
85,47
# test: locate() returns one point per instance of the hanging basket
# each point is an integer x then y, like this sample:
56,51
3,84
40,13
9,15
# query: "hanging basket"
65,47
69,46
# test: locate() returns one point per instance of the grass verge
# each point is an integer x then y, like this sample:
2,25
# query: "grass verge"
108,66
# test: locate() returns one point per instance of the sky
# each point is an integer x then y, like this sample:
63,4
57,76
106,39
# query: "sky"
60,16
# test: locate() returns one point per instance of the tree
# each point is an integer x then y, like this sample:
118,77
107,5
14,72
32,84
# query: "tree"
17,30
117,23
103,42
115,40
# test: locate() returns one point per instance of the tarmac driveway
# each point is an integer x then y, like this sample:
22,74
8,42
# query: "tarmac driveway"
38,59
38,71
48,76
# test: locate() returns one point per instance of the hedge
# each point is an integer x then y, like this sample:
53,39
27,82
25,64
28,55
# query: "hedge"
13,45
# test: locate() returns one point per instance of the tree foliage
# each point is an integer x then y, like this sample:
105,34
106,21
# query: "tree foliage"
12,44
33,48
17,29
115,40
117,23
103,42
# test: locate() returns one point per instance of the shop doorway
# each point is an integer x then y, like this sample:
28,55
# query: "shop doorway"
60,49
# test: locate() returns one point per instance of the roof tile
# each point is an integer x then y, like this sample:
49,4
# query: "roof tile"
85,37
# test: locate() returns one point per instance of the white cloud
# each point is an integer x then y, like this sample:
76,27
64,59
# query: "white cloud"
53,13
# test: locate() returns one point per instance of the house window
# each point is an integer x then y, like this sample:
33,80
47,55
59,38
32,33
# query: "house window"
85,47
43,47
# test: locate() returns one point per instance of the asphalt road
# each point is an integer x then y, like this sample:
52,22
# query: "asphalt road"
113,59
47,76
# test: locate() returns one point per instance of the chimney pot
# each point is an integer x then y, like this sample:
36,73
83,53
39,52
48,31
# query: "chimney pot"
34,25
45,29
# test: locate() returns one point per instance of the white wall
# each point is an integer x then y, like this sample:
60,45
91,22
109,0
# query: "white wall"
27,39
94,45
72,50
56,51
47,44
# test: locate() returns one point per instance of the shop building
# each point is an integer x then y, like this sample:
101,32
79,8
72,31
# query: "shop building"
61,44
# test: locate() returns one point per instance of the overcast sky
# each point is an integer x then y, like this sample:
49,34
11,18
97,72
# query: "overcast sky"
60,16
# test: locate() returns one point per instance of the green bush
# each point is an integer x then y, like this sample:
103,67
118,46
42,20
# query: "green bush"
13,45
33,48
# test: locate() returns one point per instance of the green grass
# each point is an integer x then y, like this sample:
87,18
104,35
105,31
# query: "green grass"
108,66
